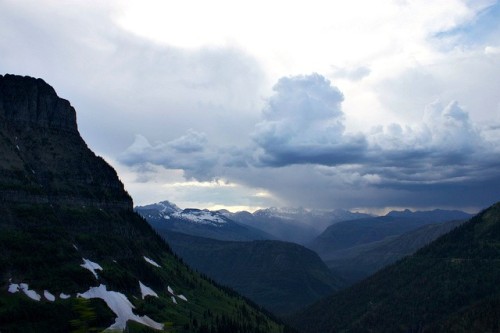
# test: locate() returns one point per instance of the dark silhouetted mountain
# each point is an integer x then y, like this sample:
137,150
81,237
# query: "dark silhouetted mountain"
451,285
74,257
352,233
436,215
296,225
280,276
358,262
166,216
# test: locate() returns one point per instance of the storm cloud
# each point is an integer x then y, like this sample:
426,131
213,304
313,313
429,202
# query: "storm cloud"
401,110
303,124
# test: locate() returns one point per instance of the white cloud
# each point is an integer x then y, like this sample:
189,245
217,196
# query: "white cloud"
160,69
303,123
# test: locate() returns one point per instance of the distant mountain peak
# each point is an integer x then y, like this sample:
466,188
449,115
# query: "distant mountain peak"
169,207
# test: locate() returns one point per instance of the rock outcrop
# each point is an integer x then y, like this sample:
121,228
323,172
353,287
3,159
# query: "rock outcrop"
45,159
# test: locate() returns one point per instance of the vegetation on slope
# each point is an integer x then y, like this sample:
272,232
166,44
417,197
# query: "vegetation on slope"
450,284
280,276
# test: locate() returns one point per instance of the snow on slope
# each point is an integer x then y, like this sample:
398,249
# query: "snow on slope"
146,291
49,296
201,217
121,306
14,288
64,296
91,266
151,261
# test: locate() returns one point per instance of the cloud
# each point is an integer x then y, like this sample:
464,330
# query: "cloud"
378,142
115,78
189,153
303,124
351,73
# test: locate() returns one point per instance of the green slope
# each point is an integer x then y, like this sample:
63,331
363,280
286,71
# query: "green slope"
358,262
450,285
61,204
280,276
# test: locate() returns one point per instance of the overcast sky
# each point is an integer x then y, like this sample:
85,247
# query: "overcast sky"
364,105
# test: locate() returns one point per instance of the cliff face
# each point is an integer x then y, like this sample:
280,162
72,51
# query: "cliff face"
45,159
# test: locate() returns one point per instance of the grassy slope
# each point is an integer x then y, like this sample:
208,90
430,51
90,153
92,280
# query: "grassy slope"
40,251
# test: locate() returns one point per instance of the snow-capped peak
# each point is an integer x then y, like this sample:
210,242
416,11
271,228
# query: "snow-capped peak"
201,216
168,207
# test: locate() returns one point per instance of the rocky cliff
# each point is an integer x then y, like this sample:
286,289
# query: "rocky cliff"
45,160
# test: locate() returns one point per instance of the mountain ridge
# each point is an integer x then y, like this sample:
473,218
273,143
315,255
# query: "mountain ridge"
73,254
454,277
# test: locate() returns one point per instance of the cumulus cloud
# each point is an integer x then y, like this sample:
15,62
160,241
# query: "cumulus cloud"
304,123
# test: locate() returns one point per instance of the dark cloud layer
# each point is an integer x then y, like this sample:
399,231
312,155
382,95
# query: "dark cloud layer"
198,110
303,124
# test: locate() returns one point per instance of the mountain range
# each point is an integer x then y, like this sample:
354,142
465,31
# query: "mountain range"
451,285
74,257
166,216
298,225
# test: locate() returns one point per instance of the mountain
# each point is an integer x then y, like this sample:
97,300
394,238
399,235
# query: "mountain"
74,257
451,285
298,225
358,262
346,234
280,276
166,216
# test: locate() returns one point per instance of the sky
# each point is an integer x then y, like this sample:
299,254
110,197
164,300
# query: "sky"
360,105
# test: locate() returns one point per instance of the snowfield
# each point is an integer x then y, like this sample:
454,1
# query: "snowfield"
91,266
14,288
200,217
64,296
49,296
146,291
121,306
150,261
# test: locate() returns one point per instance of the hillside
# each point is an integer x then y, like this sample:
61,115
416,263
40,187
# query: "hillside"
297,225
282,277
449,285
346,234
73,254
358,262
165,216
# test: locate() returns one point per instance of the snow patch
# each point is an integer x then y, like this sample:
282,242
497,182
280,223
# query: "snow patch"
49,296
121,306
91,266
13,288
201,217
146,291
30,293
152,262
64,296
